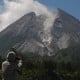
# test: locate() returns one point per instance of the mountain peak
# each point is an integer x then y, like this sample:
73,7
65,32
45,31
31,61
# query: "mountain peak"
65,14
29,34
32,13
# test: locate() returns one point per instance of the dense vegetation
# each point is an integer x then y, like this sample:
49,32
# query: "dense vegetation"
71,55
63,66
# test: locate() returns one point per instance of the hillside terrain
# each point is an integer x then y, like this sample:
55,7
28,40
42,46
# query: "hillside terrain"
35,33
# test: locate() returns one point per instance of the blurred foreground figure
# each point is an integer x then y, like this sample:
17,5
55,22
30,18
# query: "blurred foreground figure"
11,66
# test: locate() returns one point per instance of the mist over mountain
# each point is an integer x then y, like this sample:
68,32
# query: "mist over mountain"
41,34
15,9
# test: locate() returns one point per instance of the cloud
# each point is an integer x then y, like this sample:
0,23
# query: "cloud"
14,9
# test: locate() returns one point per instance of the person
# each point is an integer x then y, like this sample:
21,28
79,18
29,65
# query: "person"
11,66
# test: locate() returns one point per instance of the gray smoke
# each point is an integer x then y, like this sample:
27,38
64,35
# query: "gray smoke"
14,9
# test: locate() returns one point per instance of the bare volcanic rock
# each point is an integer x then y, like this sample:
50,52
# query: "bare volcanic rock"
37,34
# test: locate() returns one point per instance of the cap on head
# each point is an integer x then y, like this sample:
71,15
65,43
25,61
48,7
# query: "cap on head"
11,53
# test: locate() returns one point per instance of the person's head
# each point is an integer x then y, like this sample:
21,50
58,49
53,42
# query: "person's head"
11,56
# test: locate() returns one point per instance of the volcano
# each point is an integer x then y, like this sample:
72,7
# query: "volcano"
29,34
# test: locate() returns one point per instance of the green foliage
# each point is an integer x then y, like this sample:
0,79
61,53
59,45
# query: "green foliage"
71,54
0,74
36,67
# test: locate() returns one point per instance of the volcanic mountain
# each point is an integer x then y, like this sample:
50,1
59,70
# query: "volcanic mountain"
29,34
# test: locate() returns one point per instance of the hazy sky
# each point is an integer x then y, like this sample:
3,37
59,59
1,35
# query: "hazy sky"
71,6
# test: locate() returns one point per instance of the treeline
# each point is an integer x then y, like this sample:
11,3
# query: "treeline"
47,68
36,67
71,54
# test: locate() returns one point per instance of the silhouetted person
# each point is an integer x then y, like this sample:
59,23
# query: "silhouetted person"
11,66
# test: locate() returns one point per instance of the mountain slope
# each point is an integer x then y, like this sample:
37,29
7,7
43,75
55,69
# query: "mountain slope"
29,34
71,55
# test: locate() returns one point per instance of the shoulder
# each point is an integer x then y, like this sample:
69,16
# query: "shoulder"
5,63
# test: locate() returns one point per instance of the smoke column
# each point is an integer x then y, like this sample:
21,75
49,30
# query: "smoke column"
14,9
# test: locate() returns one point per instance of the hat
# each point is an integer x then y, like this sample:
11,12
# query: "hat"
11,52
